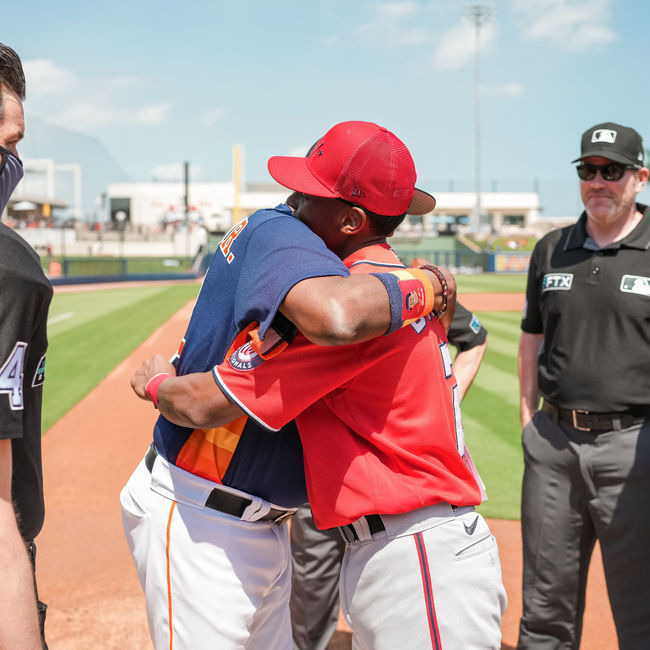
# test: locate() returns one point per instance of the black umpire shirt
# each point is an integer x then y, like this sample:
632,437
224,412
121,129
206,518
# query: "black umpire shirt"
465,331
25,295
593,307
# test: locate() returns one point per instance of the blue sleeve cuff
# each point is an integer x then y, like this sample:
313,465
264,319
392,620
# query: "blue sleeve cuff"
391,282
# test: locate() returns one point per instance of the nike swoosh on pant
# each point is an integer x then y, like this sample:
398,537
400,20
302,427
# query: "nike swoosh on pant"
472,527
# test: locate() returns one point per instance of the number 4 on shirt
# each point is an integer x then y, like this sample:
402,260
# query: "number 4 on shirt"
11,376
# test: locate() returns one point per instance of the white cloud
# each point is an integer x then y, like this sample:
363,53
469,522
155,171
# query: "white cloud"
93,114
44,77
509,89
156,114
175,172
212,117
398,9
572,24
62,97
456,47
390,26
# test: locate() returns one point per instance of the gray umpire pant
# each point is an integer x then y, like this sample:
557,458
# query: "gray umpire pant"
316,557
578,487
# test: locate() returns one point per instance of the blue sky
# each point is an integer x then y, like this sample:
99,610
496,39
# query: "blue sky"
163,82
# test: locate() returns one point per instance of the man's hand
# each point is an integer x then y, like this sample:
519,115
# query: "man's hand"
448,315
153,366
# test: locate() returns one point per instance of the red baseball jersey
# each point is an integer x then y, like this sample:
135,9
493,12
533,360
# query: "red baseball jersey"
379,421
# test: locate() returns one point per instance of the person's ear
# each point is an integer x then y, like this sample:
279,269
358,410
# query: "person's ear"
642,178
353,220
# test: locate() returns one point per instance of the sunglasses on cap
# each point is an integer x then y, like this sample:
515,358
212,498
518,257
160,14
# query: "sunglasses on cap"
612,171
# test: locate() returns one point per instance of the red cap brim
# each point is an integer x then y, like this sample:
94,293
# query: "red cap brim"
293,173
422,203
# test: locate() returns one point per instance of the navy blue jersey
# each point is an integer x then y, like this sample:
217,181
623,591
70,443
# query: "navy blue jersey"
256,264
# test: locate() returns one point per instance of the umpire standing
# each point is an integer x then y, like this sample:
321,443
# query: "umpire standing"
25,295
585,349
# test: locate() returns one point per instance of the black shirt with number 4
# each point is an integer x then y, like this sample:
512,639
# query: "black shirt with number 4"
25,295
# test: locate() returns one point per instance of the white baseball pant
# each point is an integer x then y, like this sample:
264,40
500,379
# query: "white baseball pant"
431,579
210,580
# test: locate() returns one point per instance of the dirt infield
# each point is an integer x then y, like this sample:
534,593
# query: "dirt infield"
84,568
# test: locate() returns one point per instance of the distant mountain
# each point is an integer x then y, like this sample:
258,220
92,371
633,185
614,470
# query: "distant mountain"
98,167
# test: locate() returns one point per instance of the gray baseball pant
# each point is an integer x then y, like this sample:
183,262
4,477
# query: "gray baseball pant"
316,557
581,486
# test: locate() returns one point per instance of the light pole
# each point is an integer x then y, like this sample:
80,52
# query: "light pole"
478,14
186,201
120,217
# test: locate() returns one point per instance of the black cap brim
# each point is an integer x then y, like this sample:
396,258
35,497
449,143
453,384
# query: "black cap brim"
422,203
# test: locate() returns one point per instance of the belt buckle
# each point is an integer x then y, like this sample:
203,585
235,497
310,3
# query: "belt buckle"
575,421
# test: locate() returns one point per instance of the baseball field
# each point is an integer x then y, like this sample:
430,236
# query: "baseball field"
96,431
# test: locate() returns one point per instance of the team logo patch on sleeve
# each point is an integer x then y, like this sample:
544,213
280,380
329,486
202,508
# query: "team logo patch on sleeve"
475,324
39,376
412,300
245,358
557,282
636,284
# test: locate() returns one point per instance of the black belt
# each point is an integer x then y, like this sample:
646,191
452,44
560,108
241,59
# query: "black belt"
349,531
589,421
226,502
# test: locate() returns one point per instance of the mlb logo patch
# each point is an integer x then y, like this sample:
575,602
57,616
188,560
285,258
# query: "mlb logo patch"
245,358
39,375
604,135
636,284
557,282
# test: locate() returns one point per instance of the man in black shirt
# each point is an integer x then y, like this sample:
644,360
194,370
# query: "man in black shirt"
24,301
585,349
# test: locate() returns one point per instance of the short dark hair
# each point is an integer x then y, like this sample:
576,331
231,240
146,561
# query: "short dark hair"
11,73
383,225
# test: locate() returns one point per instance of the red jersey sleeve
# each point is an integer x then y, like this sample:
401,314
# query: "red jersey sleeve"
274,391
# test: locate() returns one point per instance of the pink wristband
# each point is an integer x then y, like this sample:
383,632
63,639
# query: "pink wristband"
151,389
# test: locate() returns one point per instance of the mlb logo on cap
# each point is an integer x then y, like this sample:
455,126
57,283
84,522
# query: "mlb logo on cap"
604,135
614,142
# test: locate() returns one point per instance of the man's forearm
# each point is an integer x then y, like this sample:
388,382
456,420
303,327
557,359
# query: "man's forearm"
19,627
527,365
337,310
195,401
466,365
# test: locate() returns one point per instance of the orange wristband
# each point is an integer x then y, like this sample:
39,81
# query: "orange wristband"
411,296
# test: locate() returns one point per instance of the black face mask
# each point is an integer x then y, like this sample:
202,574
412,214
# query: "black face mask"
11,172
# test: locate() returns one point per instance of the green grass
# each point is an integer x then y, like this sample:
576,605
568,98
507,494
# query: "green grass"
491,417
91,332
491,283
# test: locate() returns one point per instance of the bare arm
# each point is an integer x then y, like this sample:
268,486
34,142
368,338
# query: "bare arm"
191,400
466,365
527,363
337,310
19,627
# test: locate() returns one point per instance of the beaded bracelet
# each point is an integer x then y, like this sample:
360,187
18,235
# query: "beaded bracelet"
443,283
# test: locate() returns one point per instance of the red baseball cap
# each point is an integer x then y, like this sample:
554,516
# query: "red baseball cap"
359,162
